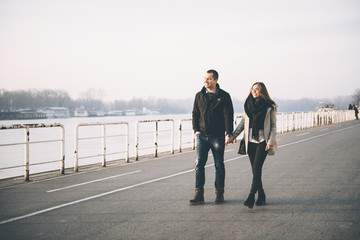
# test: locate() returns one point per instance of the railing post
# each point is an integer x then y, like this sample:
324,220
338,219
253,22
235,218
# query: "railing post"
27,167
321,118
137,140
180,135
127,143
62,168
104,145
307,120
287,122
336,114
172,136
156,135
76,152
342,116
293,121
339,117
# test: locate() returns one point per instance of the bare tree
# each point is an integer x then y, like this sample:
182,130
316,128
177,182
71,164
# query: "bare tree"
92,99
356,96
33,99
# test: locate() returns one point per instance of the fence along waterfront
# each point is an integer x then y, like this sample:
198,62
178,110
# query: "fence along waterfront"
103,137
286,122
27,143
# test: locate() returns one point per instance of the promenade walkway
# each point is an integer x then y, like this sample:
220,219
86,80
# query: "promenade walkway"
312,186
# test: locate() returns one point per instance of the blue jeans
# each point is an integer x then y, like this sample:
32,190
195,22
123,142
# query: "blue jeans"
217,146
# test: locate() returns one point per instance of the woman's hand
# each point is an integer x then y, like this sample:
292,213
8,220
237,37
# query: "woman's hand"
268,147
228,140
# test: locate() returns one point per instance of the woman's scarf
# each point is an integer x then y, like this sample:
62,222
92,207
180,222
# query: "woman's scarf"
256,110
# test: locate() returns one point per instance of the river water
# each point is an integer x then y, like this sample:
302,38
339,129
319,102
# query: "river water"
42,152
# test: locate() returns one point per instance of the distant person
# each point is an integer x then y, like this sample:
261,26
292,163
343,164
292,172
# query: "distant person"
212,118
259,125
356,112
350,107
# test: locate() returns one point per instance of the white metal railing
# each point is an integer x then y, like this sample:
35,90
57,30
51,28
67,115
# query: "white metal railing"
104,136
156,136
286,122
294,121
27,143
182,129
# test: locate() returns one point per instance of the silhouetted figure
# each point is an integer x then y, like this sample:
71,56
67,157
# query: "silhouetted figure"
356,112
350,107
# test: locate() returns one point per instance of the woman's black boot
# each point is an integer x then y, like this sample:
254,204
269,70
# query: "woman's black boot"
250,200
261,198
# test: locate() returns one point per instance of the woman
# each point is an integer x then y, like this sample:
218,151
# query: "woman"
259,125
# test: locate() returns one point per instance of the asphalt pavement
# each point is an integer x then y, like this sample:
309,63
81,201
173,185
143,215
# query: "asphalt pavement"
312,186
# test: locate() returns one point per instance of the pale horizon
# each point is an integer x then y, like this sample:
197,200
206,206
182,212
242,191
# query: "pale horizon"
162,49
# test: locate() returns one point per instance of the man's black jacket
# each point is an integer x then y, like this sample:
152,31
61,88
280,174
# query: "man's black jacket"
213,117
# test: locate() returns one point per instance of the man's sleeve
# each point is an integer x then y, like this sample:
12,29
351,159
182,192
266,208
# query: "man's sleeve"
229,115
195,116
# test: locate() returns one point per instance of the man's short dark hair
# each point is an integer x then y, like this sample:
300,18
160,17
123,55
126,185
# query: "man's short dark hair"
214,73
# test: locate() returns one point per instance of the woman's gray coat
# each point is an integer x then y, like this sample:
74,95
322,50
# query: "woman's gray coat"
269,129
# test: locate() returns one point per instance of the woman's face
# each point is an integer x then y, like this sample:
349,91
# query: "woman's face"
255,91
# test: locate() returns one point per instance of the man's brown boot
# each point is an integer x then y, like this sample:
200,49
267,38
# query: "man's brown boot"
198,198
219,195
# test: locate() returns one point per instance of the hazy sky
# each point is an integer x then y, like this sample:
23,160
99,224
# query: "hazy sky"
162,48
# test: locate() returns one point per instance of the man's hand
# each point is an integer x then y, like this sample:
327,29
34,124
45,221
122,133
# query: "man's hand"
228,139
268,147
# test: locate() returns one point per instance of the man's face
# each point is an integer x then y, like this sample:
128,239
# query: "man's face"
209,81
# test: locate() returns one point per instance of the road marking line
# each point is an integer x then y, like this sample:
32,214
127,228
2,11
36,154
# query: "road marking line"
314,137
302,134
229,150
98,180
104,194
150,181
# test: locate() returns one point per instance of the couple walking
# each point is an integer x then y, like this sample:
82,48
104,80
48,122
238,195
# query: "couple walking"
212,120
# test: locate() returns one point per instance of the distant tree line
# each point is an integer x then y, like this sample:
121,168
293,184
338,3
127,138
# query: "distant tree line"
92,99
33,99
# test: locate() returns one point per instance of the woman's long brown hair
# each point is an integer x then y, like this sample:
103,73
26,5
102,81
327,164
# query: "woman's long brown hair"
264,93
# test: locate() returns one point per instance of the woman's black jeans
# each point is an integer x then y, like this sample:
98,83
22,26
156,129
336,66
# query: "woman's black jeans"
257,155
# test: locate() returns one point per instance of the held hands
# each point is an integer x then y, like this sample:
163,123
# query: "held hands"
228,140
231,140
268,147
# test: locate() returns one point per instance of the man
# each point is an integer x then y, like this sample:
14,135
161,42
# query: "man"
212,117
